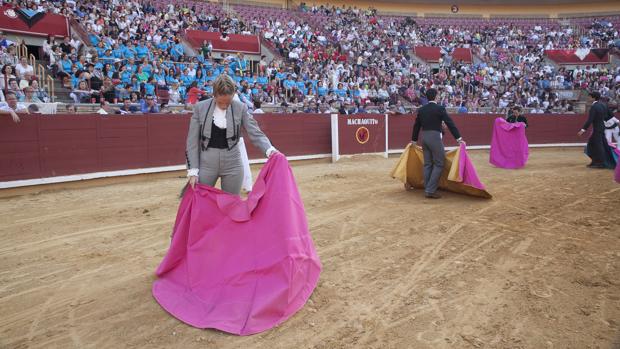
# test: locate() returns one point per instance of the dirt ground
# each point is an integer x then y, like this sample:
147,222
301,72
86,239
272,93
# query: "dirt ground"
538,266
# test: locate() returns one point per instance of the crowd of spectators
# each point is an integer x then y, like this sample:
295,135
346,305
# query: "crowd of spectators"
328,59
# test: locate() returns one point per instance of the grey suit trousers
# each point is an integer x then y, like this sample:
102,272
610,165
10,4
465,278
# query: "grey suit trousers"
434,158
222,163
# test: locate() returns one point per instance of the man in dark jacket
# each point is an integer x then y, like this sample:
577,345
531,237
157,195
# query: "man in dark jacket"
597,149
429,120
515,115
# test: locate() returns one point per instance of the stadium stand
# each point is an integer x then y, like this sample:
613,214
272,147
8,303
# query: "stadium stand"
313,58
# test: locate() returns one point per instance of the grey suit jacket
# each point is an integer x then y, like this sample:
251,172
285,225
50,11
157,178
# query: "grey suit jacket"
237,116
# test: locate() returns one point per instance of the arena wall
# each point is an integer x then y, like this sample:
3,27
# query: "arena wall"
64,145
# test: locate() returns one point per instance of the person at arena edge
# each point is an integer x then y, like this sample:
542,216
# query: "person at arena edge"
12,107
516,115
212,141
597,142
612,124
429,121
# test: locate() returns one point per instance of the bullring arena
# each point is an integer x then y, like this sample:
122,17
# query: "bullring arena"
88,203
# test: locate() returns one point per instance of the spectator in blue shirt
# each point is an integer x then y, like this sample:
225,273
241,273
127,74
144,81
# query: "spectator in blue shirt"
149,105
321,90
340,91
129,51
242,63
177,50
163,44
141,50
149,86
124,74
289,83
127,107
117,52
462,109
262,79
300,83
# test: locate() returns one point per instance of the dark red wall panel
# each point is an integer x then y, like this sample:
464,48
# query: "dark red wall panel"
47,146
477,129
235,43
294,134
123,143
19,149
352,127
166,137
68,144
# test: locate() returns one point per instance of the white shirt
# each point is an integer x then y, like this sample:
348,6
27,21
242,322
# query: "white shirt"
611,122
219,117
21,70
21,107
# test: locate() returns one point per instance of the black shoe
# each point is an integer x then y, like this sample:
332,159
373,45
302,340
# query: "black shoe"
432,195
595,166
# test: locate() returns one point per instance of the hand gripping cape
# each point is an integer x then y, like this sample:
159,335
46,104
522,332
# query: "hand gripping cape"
459,174
240,266
509,147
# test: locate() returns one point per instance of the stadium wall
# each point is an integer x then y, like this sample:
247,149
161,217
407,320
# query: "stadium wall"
49,149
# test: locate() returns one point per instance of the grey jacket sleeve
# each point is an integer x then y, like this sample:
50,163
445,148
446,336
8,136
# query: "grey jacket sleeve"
192,150
257,137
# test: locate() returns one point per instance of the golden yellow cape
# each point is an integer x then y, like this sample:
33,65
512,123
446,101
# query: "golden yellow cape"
410,170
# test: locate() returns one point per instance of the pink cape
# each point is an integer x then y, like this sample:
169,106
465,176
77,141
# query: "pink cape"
240,266
467,171
509,147
617,176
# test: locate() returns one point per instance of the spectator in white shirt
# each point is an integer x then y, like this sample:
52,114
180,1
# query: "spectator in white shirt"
257,109
12,107
23,68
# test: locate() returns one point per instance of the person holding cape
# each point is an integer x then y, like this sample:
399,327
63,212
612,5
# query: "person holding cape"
429,121
213,138
597,148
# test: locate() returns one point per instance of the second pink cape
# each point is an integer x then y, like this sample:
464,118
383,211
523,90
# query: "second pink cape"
509,147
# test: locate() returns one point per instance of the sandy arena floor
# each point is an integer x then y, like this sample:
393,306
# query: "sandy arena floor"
536,267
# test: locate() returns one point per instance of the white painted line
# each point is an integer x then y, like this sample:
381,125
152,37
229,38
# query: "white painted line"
387,147
84,176
94,175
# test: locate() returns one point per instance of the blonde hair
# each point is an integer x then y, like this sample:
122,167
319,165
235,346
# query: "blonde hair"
224,86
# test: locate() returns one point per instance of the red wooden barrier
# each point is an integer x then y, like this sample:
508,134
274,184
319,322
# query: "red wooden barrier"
476,129
236,42
48,146
294,134
361,133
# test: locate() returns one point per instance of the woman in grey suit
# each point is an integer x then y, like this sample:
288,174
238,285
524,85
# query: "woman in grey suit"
212,142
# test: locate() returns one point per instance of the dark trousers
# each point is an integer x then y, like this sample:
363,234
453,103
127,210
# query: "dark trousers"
596,148
599,151
434,158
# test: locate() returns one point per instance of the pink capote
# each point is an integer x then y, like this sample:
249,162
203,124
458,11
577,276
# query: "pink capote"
240,266
617,175
509,147
467,171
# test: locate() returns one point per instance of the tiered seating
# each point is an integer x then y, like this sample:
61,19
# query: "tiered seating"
332,58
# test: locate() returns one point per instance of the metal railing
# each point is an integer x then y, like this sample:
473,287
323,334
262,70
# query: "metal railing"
22,51
50,88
